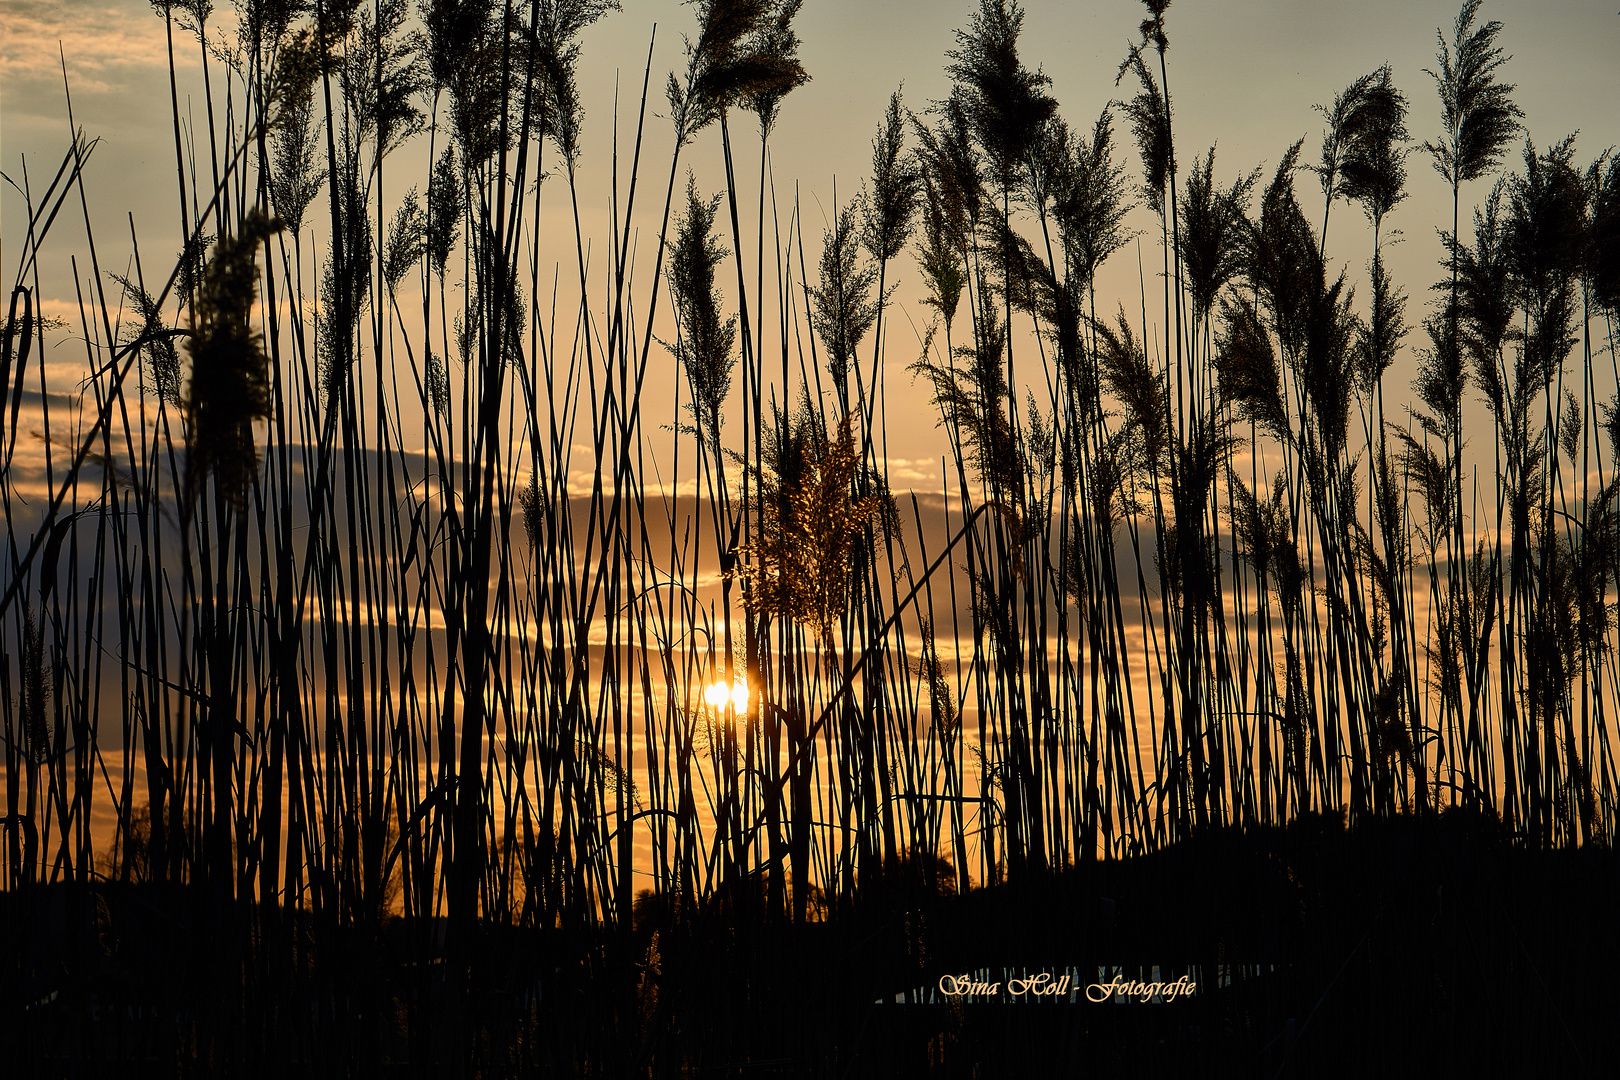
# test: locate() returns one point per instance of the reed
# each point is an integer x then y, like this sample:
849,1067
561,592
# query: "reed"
377,693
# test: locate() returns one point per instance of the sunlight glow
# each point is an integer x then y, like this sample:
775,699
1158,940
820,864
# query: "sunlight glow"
718,696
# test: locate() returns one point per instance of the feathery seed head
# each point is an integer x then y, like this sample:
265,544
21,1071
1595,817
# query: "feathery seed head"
298,168
1364,148
938,255
229,386
706,343
1247,374
1477,113
443,210
886,211
777,45
1004,102
843,308
1091,209
1603,244
741,56
1285,262
1214,231
407,237
162,358
1149,114
556,32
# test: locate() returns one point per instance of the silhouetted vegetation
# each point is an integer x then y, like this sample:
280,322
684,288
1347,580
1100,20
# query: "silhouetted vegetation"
412,689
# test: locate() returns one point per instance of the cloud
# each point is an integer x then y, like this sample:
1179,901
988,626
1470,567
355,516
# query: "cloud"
108,48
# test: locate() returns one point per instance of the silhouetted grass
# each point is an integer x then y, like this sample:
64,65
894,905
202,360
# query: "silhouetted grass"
347,729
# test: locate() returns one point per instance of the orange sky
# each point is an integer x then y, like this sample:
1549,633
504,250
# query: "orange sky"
1243,74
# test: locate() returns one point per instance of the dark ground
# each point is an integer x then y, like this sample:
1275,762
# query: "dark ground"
1406,947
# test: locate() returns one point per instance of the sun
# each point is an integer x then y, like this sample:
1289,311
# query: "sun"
718,695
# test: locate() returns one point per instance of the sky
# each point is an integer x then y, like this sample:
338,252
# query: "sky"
1243,75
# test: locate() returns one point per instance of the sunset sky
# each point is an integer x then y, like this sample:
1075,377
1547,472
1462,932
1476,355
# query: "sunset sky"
483,580
1243,75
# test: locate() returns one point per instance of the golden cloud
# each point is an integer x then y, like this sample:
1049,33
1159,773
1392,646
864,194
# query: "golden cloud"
105,46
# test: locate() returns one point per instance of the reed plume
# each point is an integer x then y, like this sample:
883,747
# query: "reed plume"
706,347
229,386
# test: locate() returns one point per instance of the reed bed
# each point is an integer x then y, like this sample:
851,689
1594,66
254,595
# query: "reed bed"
372,627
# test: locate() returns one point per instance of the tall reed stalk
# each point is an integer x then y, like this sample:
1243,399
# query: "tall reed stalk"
395,627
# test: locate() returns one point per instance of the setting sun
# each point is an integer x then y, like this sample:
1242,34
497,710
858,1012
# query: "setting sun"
717,695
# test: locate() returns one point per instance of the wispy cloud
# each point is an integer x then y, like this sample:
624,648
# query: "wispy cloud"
107,47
